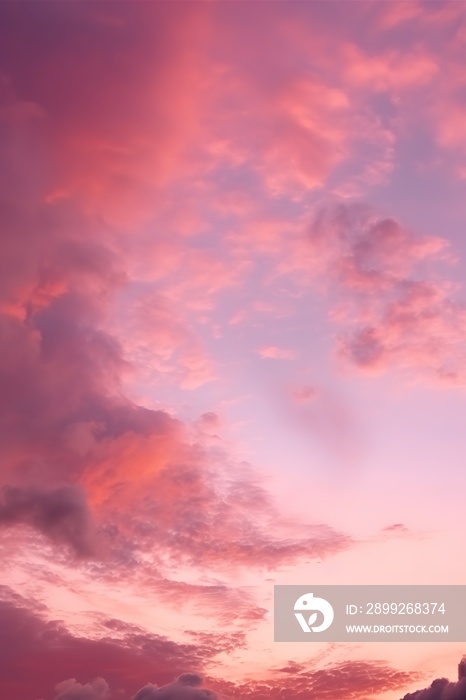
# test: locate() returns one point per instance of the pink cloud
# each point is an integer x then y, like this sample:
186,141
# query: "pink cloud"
299,134
349,679
324,418
398,530
394,70
208,519
392,15
36,646
209,423
127,656
160,343
450,124
302,394
111,152
158,163
295,128
396,307
398,13
274,353
98,689
65,363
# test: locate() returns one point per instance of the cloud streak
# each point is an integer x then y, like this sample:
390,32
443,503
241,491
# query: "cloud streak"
349,679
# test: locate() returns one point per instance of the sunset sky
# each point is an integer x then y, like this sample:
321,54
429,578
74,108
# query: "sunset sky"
232,337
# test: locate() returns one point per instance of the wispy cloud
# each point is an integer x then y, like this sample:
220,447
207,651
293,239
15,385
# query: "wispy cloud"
273,353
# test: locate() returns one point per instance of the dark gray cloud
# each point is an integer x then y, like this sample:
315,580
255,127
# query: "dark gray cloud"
185,687
147,692
442,688
61,514
97,689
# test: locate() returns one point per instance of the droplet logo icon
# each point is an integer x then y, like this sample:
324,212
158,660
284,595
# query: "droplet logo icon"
307,603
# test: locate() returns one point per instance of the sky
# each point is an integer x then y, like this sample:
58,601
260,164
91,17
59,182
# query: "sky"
233,339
